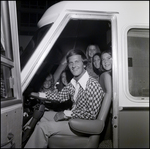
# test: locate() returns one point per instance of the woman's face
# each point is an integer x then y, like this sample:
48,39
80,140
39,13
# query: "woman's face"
47,84
48,81
106,61
96,61
92,51
64,78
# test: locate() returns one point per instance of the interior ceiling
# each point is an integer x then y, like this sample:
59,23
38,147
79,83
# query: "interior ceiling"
85,28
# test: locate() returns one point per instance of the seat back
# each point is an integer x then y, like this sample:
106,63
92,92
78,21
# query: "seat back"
105,106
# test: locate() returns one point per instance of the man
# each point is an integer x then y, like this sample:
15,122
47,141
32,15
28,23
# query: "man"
86,94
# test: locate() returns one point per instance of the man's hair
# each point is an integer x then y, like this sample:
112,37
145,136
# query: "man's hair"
76,52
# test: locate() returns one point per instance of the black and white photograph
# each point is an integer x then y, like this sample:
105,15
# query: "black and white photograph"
74,74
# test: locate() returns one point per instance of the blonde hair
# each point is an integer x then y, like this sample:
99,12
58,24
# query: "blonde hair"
88,48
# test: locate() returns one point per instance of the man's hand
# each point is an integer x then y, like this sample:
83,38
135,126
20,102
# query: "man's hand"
35,94
41,96
59,116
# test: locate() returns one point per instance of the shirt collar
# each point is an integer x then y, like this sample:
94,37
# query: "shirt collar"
82,81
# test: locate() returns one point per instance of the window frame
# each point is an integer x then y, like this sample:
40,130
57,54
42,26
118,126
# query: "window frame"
13,48
134,99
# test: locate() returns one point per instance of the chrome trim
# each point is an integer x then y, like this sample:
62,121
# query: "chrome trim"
115,74
6,62
15,49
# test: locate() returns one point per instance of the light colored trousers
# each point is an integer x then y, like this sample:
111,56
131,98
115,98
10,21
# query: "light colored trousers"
45,128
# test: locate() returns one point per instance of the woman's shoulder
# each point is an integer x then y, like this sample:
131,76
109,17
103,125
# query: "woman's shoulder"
105,74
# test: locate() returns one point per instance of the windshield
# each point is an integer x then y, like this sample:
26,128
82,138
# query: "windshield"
34,42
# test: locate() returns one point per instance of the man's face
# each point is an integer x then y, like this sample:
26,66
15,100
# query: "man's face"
76,65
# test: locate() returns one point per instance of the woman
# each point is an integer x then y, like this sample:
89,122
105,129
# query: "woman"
106,84
105,77
90,51
48,84
65,78
96,61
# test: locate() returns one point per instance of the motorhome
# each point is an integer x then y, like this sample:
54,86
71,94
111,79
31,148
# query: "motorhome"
122,26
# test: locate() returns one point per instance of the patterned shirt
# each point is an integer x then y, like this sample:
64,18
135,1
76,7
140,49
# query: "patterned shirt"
88,100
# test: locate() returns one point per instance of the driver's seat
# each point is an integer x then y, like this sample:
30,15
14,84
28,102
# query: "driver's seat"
89,131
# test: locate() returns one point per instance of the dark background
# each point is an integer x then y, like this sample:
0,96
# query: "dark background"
29,13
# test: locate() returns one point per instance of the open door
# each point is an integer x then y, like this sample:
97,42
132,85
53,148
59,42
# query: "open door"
11,96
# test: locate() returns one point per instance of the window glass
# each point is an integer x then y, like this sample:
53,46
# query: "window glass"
6,44
138,62
6,83
33,43
2,50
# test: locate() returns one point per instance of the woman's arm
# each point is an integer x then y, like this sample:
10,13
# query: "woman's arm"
107,84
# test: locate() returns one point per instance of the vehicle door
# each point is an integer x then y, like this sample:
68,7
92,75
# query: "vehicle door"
11,95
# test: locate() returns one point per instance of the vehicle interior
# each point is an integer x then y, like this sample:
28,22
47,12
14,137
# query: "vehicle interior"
77,33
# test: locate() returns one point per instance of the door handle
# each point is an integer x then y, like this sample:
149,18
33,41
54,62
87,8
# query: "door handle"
10,137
